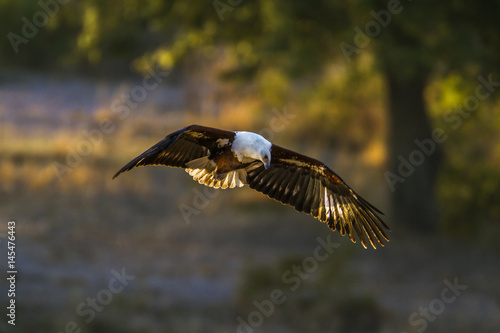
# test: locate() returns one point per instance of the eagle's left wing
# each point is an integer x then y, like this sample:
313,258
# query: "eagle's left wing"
311,187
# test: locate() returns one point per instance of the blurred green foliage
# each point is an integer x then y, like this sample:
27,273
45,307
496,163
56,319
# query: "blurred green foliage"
468,191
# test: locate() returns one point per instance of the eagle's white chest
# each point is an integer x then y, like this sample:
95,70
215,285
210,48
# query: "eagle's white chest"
248,146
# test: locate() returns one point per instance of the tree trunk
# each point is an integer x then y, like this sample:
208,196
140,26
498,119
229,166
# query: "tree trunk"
414,156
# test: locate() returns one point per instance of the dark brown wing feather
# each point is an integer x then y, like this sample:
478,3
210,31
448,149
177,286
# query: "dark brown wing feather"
180,147
311,187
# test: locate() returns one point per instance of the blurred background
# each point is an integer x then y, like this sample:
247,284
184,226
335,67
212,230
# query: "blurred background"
399,98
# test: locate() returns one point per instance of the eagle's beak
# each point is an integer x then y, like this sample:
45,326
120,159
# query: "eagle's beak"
267,165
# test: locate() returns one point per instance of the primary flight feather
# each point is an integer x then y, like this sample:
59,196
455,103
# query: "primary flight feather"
226,159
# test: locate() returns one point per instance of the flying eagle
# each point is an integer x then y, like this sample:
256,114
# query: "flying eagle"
226,159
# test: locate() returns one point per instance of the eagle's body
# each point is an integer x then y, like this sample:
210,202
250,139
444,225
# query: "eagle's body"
226,159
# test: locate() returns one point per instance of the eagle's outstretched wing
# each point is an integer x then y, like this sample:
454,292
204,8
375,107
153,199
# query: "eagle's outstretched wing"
311,187
179,148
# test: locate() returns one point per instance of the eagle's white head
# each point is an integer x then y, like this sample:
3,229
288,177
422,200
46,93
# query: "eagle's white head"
248,147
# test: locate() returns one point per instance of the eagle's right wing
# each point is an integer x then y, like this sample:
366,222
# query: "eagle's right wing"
179,148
